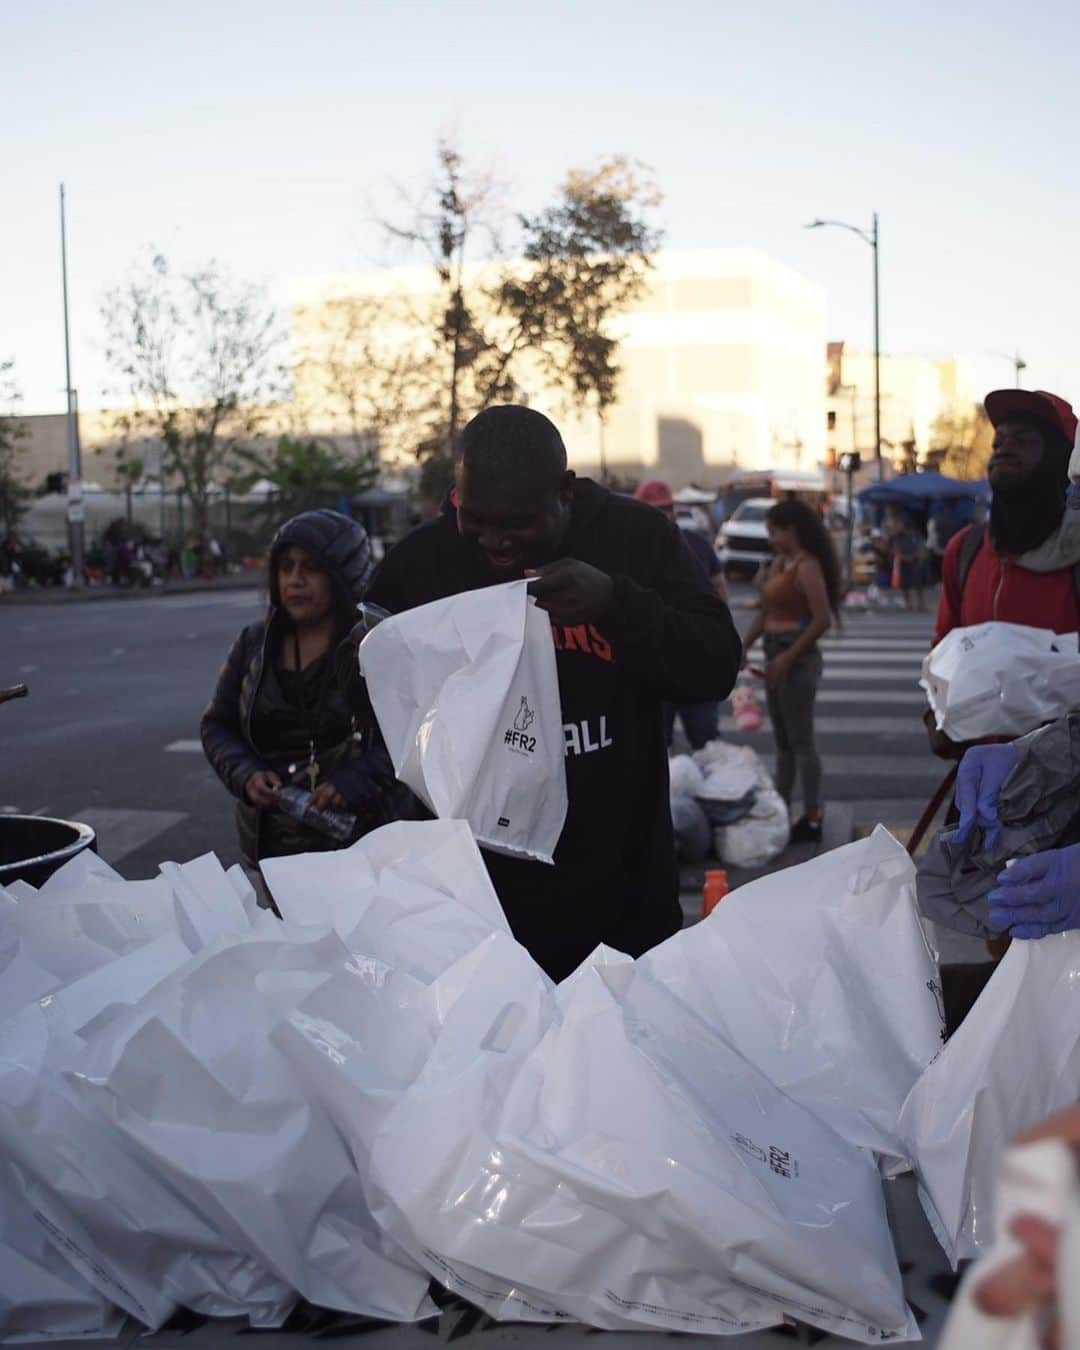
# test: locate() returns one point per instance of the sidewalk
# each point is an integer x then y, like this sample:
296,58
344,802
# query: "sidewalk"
63,595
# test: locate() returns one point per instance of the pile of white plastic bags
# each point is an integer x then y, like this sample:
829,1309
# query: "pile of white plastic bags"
202,1106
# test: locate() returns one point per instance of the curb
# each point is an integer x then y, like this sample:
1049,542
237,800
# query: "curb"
61,595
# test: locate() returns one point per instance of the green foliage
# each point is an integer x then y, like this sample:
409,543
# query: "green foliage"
586,259
15,494
307,474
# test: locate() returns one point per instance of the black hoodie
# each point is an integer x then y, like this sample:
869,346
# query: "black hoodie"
667,636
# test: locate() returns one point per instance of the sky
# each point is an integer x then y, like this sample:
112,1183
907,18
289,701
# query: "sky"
269,135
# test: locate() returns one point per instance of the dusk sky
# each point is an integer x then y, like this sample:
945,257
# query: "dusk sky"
262,133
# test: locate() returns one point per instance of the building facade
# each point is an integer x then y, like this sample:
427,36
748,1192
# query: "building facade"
721,359
917,394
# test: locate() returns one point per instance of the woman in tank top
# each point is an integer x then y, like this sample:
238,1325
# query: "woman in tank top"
799,599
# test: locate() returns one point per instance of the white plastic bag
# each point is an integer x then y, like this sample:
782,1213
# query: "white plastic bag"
731,771
759,837
593,1159
41,1294
1001,679
192,1081
467,697
1014,1060
821,976
685,777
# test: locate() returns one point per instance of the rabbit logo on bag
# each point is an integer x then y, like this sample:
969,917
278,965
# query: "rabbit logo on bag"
516,737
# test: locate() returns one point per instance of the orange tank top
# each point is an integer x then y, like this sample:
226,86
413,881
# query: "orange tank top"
782,600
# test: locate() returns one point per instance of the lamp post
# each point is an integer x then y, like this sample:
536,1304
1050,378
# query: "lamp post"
869,237
76,511
1018,364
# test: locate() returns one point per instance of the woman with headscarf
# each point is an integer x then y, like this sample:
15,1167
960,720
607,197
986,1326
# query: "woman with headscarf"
283,713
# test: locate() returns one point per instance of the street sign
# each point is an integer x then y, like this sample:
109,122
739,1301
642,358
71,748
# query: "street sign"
849,462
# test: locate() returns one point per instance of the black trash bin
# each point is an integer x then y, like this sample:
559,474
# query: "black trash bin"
33,847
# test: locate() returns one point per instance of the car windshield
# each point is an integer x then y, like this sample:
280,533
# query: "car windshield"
751,513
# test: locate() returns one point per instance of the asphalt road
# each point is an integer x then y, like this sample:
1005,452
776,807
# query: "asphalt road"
110,731
113,685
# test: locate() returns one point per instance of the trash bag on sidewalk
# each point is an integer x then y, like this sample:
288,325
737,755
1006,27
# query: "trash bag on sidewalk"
467,697
821,976
1001,679
1014,1060
759,836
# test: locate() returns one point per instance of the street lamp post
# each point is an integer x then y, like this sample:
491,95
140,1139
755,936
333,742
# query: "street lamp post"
76,510
869,237
1018,363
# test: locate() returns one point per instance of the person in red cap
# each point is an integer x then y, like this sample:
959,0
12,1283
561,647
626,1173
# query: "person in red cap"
986,572
701,721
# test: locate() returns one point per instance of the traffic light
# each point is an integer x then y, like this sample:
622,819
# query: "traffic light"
849,461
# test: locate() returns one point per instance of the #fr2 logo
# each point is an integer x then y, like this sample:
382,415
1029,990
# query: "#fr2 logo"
517,737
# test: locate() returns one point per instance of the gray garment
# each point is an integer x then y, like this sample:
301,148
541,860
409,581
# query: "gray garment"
1039,803
1060,551
791,711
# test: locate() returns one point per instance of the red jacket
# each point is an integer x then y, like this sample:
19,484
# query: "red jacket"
997,588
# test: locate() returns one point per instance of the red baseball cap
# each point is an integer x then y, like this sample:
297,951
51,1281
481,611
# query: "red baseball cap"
655,494
1002,404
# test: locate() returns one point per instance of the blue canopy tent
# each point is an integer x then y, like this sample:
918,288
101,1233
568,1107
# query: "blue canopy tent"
919,491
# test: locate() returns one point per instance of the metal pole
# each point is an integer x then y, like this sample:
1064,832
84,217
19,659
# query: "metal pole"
75,509
850,541
877,355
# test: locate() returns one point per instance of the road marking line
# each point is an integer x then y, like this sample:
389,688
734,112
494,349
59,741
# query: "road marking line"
120,831
852,726
185,747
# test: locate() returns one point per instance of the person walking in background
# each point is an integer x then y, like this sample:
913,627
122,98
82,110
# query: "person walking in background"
283,712
907,574
701,721
799,599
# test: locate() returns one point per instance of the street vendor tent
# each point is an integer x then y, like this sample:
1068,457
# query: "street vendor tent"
919,490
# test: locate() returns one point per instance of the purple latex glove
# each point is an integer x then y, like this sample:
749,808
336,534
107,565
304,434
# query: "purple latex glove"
1038,895
981,776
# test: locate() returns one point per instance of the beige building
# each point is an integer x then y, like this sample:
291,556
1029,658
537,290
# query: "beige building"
721,365
916,393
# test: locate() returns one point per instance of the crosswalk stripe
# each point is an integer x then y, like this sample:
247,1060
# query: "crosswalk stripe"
913,697
850,726
122,831
184,747
855,674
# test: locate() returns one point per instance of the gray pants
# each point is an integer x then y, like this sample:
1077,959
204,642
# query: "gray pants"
791,711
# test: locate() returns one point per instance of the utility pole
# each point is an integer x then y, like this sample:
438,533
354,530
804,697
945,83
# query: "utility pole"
76,511
870,237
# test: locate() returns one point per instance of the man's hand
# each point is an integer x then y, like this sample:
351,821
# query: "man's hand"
1039,895
572,592
326,797
262,788
981,777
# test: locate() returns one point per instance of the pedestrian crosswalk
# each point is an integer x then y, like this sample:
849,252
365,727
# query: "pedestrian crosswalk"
869,726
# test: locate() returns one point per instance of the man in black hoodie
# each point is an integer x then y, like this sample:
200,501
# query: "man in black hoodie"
634,622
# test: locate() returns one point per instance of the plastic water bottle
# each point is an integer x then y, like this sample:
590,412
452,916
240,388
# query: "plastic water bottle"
716,888
296,802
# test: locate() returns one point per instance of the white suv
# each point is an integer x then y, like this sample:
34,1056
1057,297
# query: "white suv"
744,539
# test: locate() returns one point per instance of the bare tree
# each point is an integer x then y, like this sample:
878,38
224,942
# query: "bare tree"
198,355
14,491
578,265
964,443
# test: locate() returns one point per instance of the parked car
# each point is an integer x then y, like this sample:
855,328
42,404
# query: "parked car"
744,539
